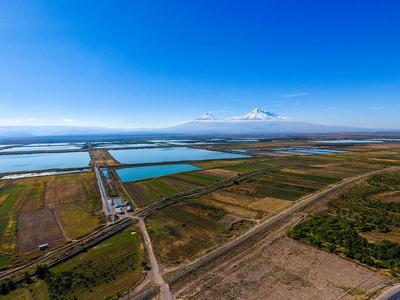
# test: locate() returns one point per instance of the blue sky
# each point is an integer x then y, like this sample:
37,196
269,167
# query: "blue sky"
156,63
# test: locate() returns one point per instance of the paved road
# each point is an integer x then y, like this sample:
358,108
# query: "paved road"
165,292
391,294
106,205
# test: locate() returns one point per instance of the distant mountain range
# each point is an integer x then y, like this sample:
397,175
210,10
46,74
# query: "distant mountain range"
257,121
255,115
32,131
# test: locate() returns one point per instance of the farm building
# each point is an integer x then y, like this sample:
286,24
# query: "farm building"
129,208
44,246
118,210
117,202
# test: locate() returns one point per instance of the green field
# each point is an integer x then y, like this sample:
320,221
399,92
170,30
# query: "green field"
111,266
188,217
148,191
104,270
36,290
77,220
175,240
145,192
184,230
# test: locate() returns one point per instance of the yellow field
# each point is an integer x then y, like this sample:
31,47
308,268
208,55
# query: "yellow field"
218,173
9,241
231,198
294,171
4,198
76,220
271,205
231,208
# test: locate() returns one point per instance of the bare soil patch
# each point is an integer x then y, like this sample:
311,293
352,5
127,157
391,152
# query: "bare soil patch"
231,198
56,193
271,205
36,228
231,208
392,196
283,269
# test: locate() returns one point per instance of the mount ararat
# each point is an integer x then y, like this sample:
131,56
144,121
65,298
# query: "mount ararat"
257,121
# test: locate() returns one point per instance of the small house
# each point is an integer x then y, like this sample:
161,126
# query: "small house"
117,202
44,246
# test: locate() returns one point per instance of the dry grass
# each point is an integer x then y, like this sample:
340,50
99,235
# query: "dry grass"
271,205
9,241
104,158
231,208
218,173
175,243
295,171
4,198
244,188
283,269
56,193
76,220
20,202
231,198
376,237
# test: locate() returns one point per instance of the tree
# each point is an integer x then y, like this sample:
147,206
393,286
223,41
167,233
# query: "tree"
11,284
41,270
27,275
4,288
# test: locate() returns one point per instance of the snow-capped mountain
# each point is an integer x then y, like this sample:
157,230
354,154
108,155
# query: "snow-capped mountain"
257,121
206,117
259,115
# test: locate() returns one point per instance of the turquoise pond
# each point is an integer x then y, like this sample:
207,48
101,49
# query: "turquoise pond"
132,174
105,173
157,155
310,150
115,145
43,161
367,141
43,147
349,141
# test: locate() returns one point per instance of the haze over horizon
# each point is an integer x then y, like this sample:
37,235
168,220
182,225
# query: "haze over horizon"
155,64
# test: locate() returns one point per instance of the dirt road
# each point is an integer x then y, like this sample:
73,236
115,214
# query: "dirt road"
164,288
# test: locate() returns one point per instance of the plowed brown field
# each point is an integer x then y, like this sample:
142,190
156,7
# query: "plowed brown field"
36,228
